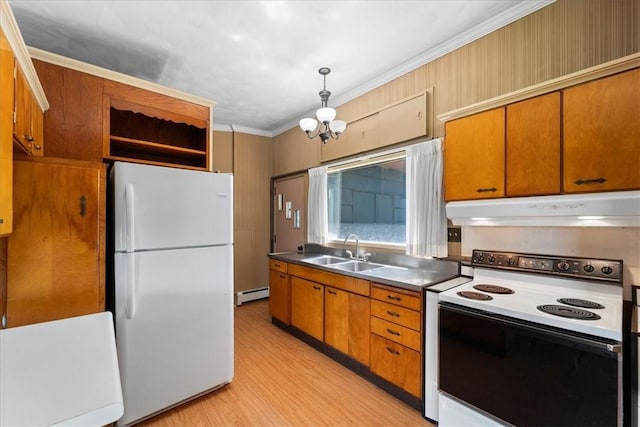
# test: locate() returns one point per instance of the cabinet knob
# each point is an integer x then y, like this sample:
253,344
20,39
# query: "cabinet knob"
37,146
28,138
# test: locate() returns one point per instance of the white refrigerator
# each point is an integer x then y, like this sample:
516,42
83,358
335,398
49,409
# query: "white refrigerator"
173,284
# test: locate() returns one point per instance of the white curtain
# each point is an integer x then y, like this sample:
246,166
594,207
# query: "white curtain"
317,214
426,216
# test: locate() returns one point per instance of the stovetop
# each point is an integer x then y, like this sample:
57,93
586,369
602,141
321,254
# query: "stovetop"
538,280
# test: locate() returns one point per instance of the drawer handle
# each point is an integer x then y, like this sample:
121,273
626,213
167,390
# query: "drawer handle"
332,292
392,351
487,190
393,313
600,180
317,288
282,276
392,298
392,332
277,265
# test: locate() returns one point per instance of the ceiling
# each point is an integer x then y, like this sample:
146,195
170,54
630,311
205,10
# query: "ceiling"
259,60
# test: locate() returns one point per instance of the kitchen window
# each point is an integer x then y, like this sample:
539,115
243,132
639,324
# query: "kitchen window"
368,199
389,199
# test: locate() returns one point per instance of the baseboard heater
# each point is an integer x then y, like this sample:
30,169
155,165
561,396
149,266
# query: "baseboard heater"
252,295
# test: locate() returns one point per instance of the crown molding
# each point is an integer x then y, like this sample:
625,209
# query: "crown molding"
598,71
10,28
83,67
503,19
242,129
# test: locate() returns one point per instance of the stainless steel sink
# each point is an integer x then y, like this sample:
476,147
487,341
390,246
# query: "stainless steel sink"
355,266
324,260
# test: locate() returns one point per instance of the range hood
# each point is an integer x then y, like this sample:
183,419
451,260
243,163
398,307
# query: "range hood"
608,209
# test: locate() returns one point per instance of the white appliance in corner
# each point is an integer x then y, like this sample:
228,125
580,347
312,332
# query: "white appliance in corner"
173,274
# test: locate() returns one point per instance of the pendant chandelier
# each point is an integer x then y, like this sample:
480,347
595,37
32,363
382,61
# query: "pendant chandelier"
328,128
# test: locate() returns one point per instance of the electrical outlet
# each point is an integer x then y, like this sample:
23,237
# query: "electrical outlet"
454,234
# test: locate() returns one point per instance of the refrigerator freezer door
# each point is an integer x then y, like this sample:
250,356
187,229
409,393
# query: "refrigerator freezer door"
159,208
178,342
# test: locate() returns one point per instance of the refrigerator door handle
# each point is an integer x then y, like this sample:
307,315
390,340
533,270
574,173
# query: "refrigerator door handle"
130,306
128,199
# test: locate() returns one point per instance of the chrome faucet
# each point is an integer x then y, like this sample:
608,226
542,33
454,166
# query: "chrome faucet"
355,236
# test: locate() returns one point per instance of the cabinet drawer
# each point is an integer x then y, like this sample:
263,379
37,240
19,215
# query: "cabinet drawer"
396,364
278,265
397,296
400,334
340,281
398,315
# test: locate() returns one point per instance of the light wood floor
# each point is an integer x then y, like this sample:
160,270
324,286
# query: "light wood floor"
280,381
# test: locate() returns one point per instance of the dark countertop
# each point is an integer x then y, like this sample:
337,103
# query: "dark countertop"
399,271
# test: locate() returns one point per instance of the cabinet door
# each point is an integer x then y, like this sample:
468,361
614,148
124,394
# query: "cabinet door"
533,146
279,296
28,127
404,121
22,107
346,323
360,135
601,134
396,364
6,136
56,252
307,307
474,156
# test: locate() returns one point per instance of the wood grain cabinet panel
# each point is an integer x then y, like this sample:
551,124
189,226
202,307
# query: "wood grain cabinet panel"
601,134
28,117
346,323
533,146
307,307
56,253
474,166
6,136
397,364
360,135
396,336
73,123
404,121
280,296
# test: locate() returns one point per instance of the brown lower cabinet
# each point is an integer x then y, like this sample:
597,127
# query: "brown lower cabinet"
396,336
307,307
375,325
346,323
279,292
55,264
397,364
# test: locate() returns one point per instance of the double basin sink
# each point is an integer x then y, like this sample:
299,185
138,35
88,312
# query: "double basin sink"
343,264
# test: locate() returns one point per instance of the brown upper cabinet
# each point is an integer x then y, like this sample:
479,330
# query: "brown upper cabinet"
402,121
583,138
6,136
147,127
474,156
602,134
533,146
28,117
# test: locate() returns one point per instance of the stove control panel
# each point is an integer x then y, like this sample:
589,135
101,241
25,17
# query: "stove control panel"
583,268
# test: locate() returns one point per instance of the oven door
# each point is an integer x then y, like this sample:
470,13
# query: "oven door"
526,374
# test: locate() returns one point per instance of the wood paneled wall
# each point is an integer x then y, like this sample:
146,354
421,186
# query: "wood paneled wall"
222,152
252,172
562,38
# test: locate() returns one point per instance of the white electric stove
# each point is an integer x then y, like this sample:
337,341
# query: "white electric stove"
526,324
581,299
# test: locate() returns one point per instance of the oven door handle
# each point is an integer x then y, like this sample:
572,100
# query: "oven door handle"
604,346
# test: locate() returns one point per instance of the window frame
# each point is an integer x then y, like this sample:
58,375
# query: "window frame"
363,161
